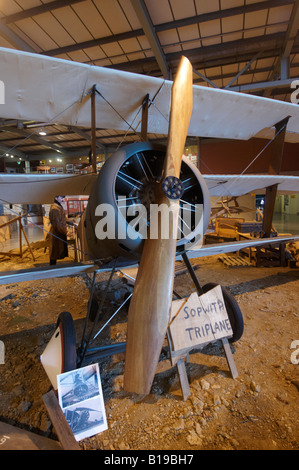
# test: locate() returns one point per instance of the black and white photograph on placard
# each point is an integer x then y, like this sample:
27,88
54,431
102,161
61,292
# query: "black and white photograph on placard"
81,399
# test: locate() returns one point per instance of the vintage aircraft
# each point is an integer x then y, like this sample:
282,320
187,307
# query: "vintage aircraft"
53,90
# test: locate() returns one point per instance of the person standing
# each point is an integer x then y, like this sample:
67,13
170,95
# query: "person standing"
58,248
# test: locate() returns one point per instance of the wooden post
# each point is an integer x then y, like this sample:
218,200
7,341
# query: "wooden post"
14,438
274,169
21,229
93,130
20,236
62,428
181,368
229,358
27,241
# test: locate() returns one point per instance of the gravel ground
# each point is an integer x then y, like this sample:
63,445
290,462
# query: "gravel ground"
257,410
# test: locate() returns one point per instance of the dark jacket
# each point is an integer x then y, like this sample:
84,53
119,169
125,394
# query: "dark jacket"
58,246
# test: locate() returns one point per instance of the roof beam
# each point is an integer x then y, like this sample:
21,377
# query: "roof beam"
149,30
6,150
282,66
227,53
246,67
228,12
230,76
37,139
30,12
70,153
206,79
292,31
14,39
252,87
38,10
161,27
86,136
95,42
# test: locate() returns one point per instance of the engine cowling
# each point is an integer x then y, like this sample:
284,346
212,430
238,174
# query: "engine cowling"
128,180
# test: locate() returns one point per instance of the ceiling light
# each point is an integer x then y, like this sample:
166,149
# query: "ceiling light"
42,133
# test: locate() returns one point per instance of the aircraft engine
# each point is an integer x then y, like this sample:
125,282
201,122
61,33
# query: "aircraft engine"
119,208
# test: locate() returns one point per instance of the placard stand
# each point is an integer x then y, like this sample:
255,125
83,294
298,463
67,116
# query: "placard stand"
179,358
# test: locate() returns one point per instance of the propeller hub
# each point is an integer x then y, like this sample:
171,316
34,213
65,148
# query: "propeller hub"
173,187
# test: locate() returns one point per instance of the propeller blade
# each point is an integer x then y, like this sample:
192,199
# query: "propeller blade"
150,305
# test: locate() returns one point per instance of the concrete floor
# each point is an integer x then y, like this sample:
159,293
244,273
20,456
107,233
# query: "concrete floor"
34,233
286,223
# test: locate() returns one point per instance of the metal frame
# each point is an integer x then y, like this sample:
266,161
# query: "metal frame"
84,351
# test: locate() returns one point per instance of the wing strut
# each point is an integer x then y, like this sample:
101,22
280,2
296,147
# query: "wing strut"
93,130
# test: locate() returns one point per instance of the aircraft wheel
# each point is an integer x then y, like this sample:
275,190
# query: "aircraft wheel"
68,341
233,310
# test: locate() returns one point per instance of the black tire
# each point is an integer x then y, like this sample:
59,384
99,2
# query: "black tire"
233,310
68,341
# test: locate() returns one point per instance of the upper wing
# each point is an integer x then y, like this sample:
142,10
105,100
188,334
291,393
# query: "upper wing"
237,185
47,89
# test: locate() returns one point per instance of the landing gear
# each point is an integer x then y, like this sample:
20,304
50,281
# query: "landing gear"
66,327
60,354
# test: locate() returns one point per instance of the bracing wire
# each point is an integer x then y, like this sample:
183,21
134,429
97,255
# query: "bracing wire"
249,165
52,120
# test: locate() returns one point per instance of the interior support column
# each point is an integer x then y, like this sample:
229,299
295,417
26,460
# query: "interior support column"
274,169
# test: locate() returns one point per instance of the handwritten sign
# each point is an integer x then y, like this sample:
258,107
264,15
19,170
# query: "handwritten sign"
199,319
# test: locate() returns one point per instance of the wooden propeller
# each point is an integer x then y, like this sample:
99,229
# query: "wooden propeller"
150,305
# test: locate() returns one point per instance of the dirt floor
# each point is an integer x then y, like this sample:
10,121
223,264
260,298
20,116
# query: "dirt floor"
257,410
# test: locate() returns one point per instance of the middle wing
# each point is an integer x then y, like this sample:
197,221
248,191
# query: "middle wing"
238,185
41,189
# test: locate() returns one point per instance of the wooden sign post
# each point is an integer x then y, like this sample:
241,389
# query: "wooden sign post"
196,322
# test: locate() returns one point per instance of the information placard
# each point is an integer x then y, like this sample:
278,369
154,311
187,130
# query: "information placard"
199,319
